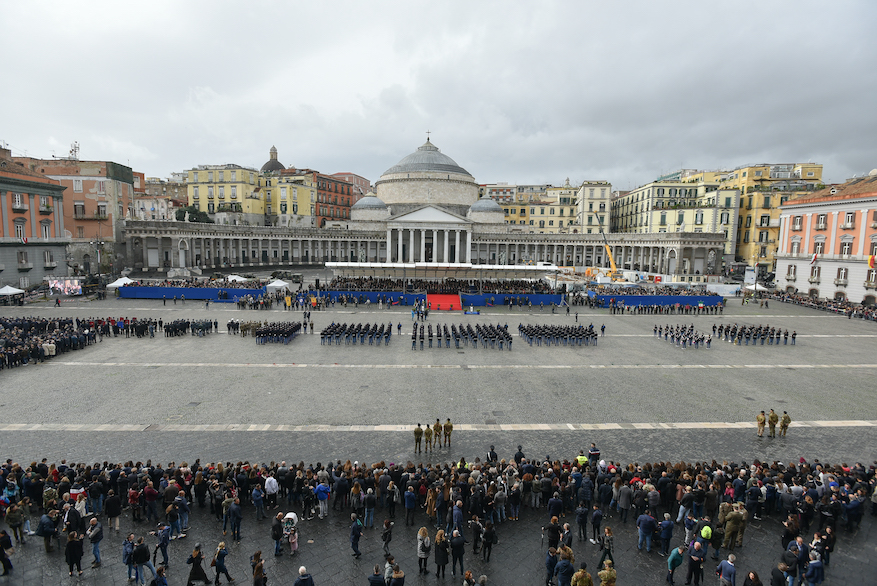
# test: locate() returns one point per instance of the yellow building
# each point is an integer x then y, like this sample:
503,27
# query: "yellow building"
679,206
765,188
222,188
593,205
295,200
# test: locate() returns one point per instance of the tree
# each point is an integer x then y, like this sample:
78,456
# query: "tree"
195,215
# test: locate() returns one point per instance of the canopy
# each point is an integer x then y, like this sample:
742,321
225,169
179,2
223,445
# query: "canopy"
10,290
236,278
757,287
275,285
120,282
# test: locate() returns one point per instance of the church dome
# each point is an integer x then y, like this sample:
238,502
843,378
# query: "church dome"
486,204
273,164
369,202
427,158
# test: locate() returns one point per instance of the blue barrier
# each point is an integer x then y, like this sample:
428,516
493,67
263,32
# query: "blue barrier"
683,300
195,293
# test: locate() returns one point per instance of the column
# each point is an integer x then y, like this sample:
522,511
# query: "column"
399,257
864,224
831,247
34,227
434,245
469,246
4,228
446,235
457,246
422,234
410,245
389,243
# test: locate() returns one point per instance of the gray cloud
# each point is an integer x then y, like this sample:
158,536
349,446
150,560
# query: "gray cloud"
518,92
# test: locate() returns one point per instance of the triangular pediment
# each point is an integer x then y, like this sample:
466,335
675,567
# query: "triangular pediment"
430,214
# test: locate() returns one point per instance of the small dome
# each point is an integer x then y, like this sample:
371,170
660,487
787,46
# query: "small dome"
872,173
485,204
273,164
369,202
427,158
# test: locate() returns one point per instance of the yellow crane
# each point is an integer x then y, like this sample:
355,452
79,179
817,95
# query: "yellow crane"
615,275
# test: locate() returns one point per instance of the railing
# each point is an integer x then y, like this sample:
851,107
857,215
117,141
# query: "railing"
797,227
848,226
20,207
25,266
50,265
94,216
791,278
841,282
813,280
46,210
870,284
821,226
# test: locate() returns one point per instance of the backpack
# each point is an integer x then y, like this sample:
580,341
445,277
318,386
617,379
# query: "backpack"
706,532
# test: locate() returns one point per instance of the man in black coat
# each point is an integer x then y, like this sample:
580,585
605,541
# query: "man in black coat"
458,548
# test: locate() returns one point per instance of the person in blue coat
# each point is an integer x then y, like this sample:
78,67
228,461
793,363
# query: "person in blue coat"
550,565
355,534
815,573
666,534
564,571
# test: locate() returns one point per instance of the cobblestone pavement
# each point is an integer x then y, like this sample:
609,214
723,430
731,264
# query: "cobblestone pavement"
243,392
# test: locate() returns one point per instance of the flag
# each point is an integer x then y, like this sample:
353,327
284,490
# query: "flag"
872,262
490,304
813,260
395,302
23,240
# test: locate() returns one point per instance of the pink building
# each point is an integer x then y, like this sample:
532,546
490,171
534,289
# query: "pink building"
828,242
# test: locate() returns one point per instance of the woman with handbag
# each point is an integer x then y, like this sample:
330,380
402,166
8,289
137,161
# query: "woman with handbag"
424,545
219,563
197,572
607,545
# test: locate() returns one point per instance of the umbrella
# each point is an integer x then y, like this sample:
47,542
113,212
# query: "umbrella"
10,290
757,287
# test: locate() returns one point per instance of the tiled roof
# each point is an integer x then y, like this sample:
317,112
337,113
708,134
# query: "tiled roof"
853,189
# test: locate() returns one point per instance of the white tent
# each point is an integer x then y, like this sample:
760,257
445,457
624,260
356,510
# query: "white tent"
236,278
276,285
757,287
10,290
120,282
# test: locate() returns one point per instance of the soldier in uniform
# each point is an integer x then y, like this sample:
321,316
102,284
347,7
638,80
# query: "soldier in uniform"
784,424
772,420
607,574
418,435
448,428
427,436
760,420
437,433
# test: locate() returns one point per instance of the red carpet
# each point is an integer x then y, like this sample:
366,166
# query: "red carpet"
443,302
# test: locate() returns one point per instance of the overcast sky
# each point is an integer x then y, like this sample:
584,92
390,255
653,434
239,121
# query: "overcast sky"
522,92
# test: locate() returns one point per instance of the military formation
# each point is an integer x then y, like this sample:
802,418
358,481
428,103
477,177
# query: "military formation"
356,333
430,436
559,335
743,335
495,337
277,332
683,336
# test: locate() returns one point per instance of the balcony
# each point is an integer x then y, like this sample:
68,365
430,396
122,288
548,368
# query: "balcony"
873,224
50,265
841,282
814,280
870,284
774,223
821,227
796,227
19,207
94,216
848,226
791,278
25,266
46,210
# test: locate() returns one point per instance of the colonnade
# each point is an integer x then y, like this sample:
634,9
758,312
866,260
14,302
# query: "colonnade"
436,245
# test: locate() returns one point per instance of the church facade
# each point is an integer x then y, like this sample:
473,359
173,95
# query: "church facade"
425,212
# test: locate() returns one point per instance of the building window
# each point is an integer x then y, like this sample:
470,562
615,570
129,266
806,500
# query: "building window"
762,235
746,236
234,191
820,222
210,176
282,194
210,207
792,270
871,276
22,257
80,231
19,230
48,257
210,192
234,175
762,252
698,217
195,192
550,222
680,219
850,219
796,223
815,271
846,248
221,192
748,221
796,247
77,185
46,231
102,210
724,217
295,208
818,247
663,219
873,249
767,202
764,220
551,211
842,273
101,188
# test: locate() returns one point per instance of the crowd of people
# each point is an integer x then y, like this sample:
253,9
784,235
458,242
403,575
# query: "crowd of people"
444,286
194,283
690,509
25,340
662,290
838,306
357,332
